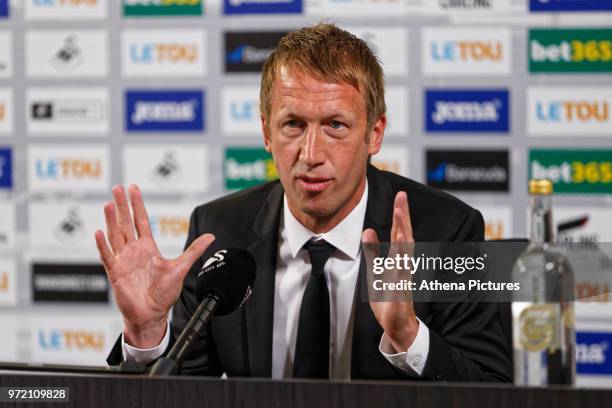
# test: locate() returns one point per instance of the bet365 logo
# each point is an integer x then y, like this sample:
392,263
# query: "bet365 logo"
570,50
573,171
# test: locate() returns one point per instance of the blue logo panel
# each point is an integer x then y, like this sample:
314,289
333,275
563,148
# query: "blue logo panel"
593,354
6,168
467,111
4,8
262,7
570,5
164,111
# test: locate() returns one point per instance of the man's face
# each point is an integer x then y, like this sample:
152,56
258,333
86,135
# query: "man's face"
317,136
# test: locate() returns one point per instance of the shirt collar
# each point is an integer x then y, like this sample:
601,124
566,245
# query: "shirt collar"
346,236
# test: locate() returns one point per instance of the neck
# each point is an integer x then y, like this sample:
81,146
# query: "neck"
320,224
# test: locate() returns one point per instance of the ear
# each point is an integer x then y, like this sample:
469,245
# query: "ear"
376,135
265,130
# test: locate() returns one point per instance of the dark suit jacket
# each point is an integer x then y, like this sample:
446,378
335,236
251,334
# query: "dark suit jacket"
466,341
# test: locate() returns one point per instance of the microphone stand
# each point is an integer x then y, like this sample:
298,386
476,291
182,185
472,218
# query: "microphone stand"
170,364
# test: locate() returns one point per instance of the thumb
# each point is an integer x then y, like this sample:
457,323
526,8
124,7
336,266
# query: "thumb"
195,250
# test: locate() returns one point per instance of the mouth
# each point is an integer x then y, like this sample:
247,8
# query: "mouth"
313,184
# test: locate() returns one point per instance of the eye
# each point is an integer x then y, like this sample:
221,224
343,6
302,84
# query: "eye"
292,123
334,124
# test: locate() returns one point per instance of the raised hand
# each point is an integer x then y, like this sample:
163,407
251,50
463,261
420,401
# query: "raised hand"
145,283
397,319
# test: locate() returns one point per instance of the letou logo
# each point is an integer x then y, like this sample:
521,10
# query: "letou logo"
262,6
569,111
467,110
468,170
6,55
67,111
246,51
167,169
168,53
462,51
570,50
8,291
569,5
68,168
6,168
168,110
573,171
247,167
498,221
240,115
6,111
66,54
170,224
162,8
65,9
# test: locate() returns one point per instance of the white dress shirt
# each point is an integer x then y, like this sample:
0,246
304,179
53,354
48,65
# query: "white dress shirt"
292,274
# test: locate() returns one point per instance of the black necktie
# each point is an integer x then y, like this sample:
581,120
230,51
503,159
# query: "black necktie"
312,344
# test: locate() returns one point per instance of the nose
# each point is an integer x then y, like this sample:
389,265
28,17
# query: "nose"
312,150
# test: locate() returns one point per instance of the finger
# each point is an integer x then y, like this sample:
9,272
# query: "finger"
106,255
117,242
124,218
395,224
369,236
407,221
195,250
141,219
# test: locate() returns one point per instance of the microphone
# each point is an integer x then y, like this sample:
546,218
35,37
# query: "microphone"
223,285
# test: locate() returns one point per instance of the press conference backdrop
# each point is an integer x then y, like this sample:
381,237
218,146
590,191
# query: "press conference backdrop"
481,94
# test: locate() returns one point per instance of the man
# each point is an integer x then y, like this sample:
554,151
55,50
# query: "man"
323,116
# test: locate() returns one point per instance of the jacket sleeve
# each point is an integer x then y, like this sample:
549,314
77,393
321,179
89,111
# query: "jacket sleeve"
467,342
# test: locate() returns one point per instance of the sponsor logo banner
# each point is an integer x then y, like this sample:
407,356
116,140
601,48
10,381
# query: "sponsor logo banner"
70,224
167,169
7,225
8,275
6,111
8,340
67,111
360,8
569,111
573,171
4,8
468,170
170,225
463,110
593,353
390,46
463,51
569,5
6,55
396,99
498,221
247,167
583,224
570,50
246,51
464,7
240,111
167,53
394,158
262,6
65,9
69,283
66,54
83,340
6,168
164,111
69,168
162,8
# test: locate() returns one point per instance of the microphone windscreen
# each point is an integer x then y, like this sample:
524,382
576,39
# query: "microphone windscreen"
229,274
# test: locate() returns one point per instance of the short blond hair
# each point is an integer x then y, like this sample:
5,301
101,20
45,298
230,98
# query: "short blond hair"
331,54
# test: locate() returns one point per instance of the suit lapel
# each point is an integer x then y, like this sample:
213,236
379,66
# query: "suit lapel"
366,361
259,310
